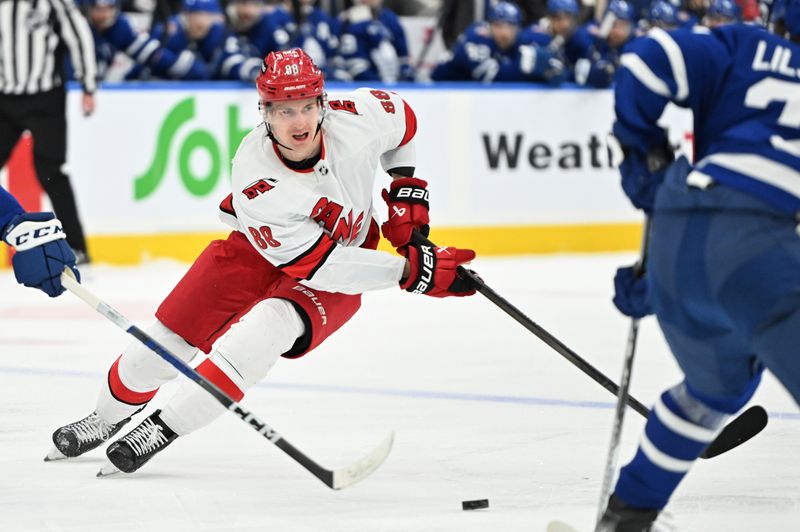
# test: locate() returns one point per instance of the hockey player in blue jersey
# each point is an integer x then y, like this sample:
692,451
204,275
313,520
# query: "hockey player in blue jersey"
113,33
260,31
662,14
315,31
721,12
200,30
42,252
397,35
558,32
723,269
604,44
496,50
370,50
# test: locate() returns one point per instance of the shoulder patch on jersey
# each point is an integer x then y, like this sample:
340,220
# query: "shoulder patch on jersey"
257,188
343,105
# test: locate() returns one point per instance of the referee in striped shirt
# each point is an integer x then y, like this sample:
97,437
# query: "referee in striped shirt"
34,37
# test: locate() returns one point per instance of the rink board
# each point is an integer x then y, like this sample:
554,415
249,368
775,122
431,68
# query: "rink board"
514,169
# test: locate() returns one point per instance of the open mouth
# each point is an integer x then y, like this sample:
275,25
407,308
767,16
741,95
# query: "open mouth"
301,137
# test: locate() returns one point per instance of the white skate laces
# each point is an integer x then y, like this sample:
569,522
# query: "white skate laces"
92,428
146,438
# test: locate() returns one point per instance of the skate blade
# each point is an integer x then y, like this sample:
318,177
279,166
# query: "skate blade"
108,470
54,454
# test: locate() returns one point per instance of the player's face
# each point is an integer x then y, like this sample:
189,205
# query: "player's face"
247,12
294,124
562,24
102,16
619,33
504,34
198,24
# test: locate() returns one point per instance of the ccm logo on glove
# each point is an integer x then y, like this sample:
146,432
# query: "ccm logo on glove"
28,235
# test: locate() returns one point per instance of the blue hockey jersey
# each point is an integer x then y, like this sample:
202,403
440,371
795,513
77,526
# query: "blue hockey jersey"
318,36
476,57
219,50
743,85
366,52
9,208
145,50
269,34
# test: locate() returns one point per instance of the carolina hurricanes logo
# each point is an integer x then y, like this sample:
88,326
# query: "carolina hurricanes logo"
256,189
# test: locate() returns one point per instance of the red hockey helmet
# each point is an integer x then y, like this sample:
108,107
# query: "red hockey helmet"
288,75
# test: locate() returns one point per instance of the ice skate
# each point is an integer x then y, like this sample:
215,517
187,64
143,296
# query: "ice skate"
136,448
619,517
82,436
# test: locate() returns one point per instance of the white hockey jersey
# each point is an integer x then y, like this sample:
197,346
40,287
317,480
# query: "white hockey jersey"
310,223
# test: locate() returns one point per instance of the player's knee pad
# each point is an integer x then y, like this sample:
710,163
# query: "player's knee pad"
141,369
252,345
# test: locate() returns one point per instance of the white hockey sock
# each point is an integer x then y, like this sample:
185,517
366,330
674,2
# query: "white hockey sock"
135,377
243,355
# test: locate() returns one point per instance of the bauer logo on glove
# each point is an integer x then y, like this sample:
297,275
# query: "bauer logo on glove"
407,199
434,270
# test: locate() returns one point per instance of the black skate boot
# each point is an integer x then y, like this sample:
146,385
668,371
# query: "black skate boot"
136,448
82,436
619,517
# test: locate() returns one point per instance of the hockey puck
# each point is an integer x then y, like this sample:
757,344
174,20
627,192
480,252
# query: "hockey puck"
475,505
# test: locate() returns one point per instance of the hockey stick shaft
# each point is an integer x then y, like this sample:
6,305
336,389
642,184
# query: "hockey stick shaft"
328,477
742,428
624,386
550,340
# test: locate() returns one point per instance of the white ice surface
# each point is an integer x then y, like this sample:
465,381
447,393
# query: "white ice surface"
481,408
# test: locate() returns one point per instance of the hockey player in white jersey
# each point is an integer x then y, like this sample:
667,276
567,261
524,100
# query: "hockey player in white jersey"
292,271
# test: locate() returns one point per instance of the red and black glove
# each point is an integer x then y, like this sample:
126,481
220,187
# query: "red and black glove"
434,270
407,199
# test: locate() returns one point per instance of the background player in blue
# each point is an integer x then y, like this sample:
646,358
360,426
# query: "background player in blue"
315,31
200,30
558,32
722,12
723,271
368,48
604,44
113,32
260,31
397,35
497,51
42,252
662,14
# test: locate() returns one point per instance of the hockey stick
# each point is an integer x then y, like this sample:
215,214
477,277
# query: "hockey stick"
624,385
335,479
742,428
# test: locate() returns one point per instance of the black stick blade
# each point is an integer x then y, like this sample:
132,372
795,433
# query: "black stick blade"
748,424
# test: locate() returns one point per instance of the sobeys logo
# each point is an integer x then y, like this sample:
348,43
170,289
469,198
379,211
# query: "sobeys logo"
200,139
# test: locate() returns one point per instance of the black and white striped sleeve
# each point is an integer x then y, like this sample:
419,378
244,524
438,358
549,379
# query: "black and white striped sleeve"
77,35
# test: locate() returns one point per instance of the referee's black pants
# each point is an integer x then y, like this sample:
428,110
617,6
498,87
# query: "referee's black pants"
44,115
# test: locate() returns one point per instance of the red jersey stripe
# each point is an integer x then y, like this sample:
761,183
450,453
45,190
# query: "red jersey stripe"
411,124
303,266
226,205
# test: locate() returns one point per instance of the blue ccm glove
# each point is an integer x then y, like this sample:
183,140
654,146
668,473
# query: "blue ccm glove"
631,296
42,251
